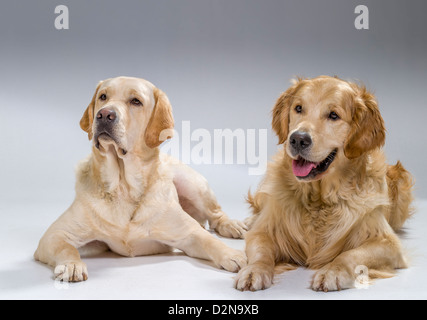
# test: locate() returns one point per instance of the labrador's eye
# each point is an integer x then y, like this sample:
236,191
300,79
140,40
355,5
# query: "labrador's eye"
298,109
333,116
136,102
103,97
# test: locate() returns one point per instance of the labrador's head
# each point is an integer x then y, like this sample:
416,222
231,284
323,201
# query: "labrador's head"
127,114
324,121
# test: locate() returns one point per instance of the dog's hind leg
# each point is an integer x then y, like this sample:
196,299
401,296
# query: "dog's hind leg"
199,201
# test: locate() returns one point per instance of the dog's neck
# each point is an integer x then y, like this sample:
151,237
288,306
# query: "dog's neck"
126,176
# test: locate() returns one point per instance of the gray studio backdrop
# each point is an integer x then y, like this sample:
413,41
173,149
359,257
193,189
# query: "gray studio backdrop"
222,63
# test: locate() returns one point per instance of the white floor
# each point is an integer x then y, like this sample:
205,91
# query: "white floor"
175,276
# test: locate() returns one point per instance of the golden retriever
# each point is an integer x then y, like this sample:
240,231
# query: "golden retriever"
129,196
328,201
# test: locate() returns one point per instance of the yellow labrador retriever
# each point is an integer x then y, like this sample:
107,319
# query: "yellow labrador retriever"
129,196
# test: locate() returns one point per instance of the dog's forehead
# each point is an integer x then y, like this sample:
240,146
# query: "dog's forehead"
127,85
325,89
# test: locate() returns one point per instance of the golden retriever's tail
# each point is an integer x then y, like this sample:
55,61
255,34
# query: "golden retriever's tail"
255,205
400,184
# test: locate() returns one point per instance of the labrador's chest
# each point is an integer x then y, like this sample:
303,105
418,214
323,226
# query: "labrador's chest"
124,225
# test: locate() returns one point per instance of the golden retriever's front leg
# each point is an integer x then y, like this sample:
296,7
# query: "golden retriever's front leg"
259,273
379,254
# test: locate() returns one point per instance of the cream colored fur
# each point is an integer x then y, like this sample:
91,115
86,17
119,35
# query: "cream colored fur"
132,198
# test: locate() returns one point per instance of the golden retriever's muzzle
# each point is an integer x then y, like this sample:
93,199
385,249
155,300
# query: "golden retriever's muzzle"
106,120
300,146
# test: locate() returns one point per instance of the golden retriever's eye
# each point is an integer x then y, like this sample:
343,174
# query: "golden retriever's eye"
103,97
136,102
333,116
298,109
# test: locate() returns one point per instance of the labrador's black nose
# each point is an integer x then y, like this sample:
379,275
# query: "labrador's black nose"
106,116
300,141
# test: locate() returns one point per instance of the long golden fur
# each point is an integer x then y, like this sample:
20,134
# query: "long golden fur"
337,207
130,197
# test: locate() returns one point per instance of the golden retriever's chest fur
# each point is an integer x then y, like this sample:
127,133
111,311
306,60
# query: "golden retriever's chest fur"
320,220
323,230
318,232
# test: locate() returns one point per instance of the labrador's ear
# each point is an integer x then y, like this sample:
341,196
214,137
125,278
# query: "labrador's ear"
87,120
161,124
280,112
367,131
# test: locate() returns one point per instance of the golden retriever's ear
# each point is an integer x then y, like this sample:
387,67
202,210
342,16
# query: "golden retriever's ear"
161,124
280,122
87,119
367,131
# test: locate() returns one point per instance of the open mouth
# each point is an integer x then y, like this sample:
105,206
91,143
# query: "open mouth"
304,169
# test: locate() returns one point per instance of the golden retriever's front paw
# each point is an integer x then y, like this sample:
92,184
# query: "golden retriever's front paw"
71,272
232,229
253,278
332,278
233,260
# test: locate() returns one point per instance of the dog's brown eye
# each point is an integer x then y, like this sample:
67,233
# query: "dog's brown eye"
333,116
136,102
103,97
298,109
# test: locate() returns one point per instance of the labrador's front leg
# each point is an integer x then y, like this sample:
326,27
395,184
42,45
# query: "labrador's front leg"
181,231
201,244
54,250
58,248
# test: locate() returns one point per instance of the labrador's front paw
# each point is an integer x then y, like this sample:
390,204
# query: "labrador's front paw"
233,260
73,271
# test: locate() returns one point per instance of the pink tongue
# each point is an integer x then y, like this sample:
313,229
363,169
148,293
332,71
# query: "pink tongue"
302,168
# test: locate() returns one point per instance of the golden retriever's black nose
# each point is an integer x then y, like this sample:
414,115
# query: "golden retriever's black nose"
106,116
300,141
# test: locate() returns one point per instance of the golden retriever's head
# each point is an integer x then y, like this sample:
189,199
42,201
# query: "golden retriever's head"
127,114
324,121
